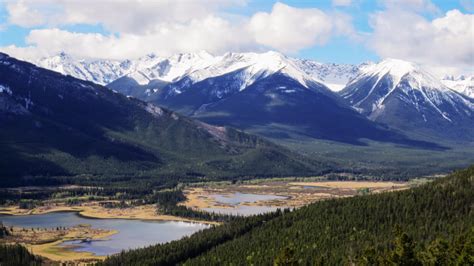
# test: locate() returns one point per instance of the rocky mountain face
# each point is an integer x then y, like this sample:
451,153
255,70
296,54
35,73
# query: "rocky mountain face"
405,96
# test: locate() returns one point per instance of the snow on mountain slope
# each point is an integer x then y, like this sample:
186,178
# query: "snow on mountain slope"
251,67
98,71
405,96
462,84
391,75
199,66
195,66
334,76
169,69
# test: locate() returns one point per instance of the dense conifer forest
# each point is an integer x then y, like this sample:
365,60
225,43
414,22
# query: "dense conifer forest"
17,255
427,225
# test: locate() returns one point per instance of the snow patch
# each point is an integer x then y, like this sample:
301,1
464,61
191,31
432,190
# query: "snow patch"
5,89
336,87
154,110
462,84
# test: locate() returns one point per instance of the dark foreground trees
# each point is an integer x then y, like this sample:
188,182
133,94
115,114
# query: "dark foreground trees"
17,255
421,225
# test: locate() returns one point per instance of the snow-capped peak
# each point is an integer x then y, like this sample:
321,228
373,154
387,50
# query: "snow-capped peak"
391,79
199,66
399,70
394,67
98,71
254,67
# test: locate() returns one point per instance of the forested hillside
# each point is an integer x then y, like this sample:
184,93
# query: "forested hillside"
428,224
17,255
56,125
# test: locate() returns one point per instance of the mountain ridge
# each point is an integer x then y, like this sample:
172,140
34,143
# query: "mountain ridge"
60,125
405,96
103,71
172,80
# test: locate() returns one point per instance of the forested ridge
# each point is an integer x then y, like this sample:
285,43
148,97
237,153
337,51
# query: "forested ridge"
418,226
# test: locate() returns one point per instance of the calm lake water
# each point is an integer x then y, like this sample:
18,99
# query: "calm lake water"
237,198
131,233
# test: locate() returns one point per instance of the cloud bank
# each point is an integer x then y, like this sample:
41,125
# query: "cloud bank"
399,29
444,42
167,27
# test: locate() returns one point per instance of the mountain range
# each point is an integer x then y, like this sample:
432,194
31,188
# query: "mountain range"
283,97
152,67
54,124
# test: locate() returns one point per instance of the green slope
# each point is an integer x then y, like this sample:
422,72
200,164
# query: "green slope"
337,232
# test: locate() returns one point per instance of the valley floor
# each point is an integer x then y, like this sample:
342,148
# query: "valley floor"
292,192
286,192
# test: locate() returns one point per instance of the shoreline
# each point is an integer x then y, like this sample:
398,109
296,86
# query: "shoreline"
55,252
48,242
143,213
295,194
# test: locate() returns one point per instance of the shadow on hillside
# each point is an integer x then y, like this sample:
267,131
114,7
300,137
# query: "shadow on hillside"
15,165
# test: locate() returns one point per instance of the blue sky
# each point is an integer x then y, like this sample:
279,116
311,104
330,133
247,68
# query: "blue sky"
327,45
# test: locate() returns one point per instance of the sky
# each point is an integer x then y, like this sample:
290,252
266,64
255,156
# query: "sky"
438,34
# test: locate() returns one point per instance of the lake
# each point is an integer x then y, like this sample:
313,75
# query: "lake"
131,233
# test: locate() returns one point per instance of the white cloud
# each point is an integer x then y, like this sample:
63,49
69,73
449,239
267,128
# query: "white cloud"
167,27
126,16
22,14
445,42
341,2
290,29
211,33
411,5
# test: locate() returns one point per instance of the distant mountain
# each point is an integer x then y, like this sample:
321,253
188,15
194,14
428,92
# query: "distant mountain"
266,93
156,69
461,84
198,84
98,71
276,106
59,125
404,96
196,66
184,70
